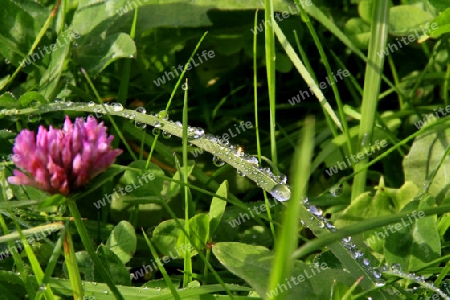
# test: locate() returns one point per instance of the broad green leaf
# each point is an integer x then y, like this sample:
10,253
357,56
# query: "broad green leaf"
165,237
23,19
253,264
49,84
5,292
217,208
405,19
198,230
414,242
122,241
29,97
97,53
443,24
136,185
423,158
7,100
440,5
358,31
118,271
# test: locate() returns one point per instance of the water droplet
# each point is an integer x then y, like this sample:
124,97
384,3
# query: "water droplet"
281,192
105,292
42,287
366,261
184,86
91,103
131,56
34,118
336,190
116,106
376,274
166,134
156,131
315,211
141,110
179,124
69,103
217,161
157,124
347,239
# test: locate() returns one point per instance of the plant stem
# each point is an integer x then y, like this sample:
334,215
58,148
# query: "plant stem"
72,266
90,248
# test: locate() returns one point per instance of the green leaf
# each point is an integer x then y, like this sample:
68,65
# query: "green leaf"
443,24
7,100
23,19
217,208
122,241
254,264
118,271
358,31
440,5
165,236
98,53
49,83
424,157
199,231
404,19
29,97
56,199
414,242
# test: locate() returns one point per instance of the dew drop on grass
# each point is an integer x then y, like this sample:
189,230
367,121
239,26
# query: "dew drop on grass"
141,110
281,192
347,239
91,103
157,124
156,131
166,134
34,118
217,161
116,106
336,190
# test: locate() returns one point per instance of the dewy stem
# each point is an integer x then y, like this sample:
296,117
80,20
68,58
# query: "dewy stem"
90,248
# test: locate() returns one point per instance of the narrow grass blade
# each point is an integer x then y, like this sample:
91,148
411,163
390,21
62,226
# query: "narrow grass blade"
288,239
372,80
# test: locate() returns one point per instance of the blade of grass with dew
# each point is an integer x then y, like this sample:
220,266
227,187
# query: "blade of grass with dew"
266,180
305,74
255,107
372,80
374,223
187,276
163,271
288,240
324,58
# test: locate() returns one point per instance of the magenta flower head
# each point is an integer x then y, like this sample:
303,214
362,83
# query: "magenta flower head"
63,160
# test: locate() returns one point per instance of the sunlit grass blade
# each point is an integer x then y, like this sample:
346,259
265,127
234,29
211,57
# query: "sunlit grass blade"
372,80
187,277
288,240
305,74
